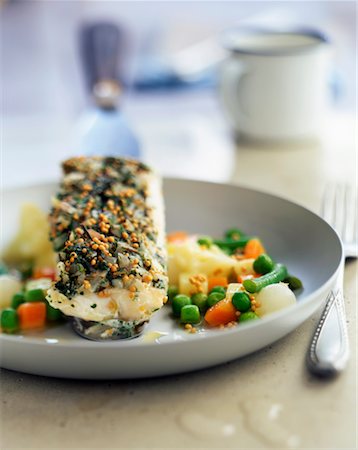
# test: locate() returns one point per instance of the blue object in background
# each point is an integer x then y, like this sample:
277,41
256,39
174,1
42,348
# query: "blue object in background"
104,130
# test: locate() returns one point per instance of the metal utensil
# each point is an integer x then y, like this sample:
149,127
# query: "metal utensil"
104,129
329,349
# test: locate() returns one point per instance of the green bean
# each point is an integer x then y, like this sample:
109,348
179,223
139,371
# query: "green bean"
232,244
279,273
294,283
234,233
205,241
263,264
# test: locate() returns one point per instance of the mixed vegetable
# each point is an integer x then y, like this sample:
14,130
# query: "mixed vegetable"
23,301
232,280
213,282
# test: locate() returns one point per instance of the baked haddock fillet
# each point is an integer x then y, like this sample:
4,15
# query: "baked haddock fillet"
107,227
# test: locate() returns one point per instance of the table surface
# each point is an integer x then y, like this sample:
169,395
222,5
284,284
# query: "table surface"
265,400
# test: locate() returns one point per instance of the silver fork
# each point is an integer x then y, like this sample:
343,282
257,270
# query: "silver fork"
328,352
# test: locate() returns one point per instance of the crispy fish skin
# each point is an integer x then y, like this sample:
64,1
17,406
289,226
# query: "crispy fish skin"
107,225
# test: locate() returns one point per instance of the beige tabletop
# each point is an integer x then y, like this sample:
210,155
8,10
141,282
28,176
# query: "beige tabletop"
265,400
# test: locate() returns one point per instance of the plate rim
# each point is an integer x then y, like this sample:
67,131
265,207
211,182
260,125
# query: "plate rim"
213,333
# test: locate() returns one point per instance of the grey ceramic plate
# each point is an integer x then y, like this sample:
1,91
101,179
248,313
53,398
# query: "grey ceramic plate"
292,234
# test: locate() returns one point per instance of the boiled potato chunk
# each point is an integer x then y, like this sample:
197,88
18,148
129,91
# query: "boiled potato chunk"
31,242
191,284
233,288
9,285
274,297
191,258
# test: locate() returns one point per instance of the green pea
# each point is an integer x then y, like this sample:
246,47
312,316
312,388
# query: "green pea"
206,241
34,295
263,264
190,314
201,301
241,301
246,316
220,289
9,320
17,299
214,298
52,314
172,292
179,301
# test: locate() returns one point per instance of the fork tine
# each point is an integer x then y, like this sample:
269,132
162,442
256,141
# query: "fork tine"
339,209
350,204
327,205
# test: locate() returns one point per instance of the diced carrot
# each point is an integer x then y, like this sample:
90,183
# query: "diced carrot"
32,315
253,248
44,272
221,313
177,236
217,281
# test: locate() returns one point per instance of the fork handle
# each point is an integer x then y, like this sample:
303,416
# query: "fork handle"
329,350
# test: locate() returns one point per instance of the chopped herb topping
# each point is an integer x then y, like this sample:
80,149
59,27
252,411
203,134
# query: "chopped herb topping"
102,226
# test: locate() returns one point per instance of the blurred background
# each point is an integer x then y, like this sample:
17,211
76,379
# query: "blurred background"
172,108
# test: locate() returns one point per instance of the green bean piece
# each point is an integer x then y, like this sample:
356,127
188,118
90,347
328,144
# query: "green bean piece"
17,299
214,298
234,234
263,264
220,289
53,314
34,295
241,301
201,301
294,283
205,241
246,316
172,292
190,314
279,273
179,301
9,320
232,244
